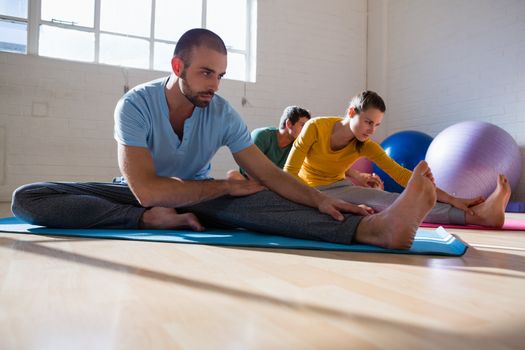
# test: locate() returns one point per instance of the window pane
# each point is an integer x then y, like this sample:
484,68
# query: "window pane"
126,16
162,56
227,18
188,15
236,69
78,12
15,8
66,43
123,51
13,36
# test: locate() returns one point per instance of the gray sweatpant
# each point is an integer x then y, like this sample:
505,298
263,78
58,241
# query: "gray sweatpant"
113,205
379,200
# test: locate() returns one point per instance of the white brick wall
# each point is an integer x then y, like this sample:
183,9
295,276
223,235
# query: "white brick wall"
436,62
455,60
56,117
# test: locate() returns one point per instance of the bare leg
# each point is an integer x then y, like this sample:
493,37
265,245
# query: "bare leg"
396,226
168,218
492,211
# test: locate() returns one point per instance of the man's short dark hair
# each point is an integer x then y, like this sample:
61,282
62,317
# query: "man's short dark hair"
195,38
293,113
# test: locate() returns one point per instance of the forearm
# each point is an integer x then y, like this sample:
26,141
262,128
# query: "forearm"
443,196
293,189
272,177
296,177
292,170
173,192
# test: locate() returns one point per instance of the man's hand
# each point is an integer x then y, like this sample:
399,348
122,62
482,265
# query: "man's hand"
334,207
239,188
262,169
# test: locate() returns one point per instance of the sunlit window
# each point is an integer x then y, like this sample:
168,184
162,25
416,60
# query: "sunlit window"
162,53
228,21
14,8
128,33
13,36
131,17
74,13
66,43
13,26
174,17
124,51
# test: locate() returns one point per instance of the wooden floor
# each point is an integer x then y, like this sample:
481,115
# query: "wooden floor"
71,293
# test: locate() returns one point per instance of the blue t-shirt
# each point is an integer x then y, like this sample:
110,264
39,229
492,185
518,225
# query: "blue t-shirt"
142,119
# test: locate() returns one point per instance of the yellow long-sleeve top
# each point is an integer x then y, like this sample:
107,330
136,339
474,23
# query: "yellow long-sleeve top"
313,161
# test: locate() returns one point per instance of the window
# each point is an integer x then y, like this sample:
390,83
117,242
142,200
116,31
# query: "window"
130,33
13,26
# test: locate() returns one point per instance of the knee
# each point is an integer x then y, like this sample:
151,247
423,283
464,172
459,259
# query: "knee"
24,197
25,192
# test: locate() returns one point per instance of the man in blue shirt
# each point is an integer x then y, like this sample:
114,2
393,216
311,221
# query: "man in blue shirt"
167,132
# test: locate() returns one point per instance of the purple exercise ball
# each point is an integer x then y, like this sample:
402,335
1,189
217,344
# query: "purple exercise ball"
467,157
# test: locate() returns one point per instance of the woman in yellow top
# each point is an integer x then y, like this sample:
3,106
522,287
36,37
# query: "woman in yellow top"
327,146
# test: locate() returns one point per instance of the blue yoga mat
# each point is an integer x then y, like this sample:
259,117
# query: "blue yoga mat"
428,241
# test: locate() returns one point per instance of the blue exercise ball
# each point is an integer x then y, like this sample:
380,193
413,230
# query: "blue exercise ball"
407,148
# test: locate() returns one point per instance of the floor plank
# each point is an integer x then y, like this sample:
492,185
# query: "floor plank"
85,294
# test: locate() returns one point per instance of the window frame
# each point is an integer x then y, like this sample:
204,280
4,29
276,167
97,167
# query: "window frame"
34,22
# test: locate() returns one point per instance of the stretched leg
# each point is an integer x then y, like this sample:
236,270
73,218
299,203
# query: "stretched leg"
492,211
396,226
267,212
90,205
379,200
270,213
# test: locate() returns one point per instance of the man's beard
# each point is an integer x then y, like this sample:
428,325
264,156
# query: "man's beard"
192,96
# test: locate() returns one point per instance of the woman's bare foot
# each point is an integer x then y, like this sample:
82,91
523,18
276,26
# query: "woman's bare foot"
396,226
492,212
168,218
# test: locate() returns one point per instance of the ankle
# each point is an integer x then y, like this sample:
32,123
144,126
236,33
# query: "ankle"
145,219
369,231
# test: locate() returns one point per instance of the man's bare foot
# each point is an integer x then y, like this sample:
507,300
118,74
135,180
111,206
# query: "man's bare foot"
396,226
492,212
168,218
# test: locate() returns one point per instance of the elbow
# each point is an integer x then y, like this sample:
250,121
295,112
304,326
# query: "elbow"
145,197
146,202
148,191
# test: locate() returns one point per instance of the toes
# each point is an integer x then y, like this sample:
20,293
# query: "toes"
192,221
421,167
